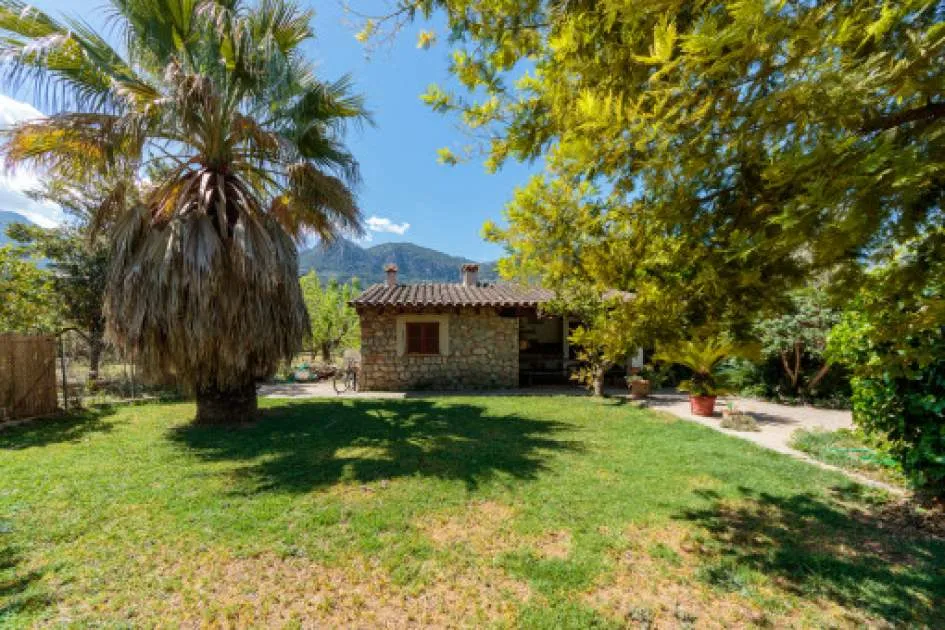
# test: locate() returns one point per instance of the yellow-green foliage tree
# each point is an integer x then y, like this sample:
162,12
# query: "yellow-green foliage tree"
561,234
753,143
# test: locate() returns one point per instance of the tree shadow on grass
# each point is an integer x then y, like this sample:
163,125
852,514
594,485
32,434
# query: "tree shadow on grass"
305,445
19,589
817,547
56,429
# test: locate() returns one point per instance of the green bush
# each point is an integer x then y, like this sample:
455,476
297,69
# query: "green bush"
896,353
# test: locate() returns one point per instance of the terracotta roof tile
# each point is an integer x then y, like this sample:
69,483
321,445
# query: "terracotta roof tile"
443,294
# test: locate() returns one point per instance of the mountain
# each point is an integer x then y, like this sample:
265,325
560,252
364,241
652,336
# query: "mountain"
343,260
6,218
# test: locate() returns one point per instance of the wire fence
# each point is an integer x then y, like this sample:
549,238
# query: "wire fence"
41,375
93,373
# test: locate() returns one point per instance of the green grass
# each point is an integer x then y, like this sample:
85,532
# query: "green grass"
845,449
540,512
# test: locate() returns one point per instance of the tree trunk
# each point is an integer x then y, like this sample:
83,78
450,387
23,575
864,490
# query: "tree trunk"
231,405
326,352
95,355
597,383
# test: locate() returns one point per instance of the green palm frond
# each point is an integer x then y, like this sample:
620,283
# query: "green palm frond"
65,63
700,356
704,357
246,155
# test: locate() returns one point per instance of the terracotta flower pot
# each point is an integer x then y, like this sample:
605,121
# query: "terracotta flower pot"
639,388
702,405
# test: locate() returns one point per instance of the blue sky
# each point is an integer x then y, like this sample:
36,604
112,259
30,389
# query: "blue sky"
407,193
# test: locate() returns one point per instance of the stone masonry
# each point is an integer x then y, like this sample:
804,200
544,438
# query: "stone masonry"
481,353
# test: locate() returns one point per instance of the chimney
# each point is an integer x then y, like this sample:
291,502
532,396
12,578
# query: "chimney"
391,270
470,274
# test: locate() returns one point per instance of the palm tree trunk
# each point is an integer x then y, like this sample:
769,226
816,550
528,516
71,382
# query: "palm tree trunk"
235,404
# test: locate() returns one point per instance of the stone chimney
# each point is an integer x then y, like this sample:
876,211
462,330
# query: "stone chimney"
470,274
391,270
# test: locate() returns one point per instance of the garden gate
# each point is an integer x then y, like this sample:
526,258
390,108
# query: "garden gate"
27,376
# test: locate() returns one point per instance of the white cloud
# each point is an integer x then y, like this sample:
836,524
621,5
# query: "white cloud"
383,224
15,184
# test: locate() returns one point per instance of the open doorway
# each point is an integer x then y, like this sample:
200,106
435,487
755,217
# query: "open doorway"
544,355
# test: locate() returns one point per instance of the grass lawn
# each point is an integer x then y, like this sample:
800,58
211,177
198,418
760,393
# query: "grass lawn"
542,512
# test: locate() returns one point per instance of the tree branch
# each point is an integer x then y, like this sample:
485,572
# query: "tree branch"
787,367
929,111
821,373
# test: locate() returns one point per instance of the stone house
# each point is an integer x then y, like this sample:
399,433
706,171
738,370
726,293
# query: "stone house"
468,335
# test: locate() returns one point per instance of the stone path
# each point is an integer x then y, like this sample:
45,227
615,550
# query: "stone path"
777,423
321,389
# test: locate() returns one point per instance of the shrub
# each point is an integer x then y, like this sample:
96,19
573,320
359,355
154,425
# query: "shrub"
740,422
896,353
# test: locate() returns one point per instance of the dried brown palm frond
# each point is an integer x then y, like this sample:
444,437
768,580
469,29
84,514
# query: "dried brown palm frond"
195,306
242,147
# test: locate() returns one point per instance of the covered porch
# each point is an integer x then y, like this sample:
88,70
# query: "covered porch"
545,357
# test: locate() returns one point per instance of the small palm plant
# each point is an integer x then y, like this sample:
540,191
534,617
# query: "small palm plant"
239,150
704,358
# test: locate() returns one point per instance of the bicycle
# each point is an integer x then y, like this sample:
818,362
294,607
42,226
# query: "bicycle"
346,378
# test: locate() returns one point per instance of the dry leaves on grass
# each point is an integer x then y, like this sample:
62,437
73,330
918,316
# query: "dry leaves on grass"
216,589
656,583
484,526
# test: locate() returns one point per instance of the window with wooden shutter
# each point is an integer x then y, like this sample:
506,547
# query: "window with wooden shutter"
423,337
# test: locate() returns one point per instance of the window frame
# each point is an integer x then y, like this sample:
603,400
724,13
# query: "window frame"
427,338
401,332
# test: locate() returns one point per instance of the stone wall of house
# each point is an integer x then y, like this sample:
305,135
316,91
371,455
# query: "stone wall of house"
482,354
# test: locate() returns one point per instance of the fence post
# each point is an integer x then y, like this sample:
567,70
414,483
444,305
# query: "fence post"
62,366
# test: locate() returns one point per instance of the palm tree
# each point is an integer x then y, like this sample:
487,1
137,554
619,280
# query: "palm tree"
238,147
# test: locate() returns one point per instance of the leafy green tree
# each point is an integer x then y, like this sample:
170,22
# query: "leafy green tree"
79,273
602,336
216,98
29,302
334,322
798,337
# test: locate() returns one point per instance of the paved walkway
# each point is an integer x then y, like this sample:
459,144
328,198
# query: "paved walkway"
321,389
777,422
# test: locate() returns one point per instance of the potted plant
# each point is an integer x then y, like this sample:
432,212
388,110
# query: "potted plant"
639,386
703,357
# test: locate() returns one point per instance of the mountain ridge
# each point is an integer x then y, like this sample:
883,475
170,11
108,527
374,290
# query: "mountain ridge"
344,260
8,217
